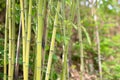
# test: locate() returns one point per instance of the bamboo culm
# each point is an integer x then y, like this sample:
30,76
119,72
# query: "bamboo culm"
10,41
38,67
28,40
5,42
64,69
23,37
13,37
80,42
52,43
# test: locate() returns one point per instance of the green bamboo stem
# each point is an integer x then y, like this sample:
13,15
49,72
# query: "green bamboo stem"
44,37
64,69
52,43
69,33
99,52
10,41
93,10
13,37
5,42
80,41
26,14
23,37
28,40
36,44
39,40
98,46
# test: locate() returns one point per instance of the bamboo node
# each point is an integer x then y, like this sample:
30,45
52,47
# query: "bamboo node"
13,39
23,37
25,8
51,50
39,42
10,58
39,14
55,25
28,40
29,15
5,74
38,67
13,13
47,73
9,17
10,76
23,62
22,10
5,50
6,28
12,63
26,65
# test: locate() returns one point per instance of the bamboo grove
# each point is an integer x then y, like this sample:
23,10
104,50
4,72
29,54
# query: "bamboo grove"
35,34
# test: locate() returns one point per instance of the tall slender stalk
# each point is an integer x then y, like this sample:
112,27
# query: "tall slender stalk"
98,51
13,37
36,44
26,14
5,42
80,41
44,37
52,42
64,69
98,46
10,41
39,40
28,40
69,33
23,37
97,39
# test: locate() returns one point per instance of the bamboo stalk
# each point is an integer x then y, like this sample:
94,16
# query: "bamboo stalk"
52,43
93,10
98,47
69,33
13,37
44,37
28,40
23,37
10,41
99,52
5,42
80,41
64,69
35,62
39,40
26,14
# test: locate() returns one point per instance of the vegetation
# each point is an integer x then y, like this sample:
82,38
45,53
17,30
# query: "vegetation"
59,40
